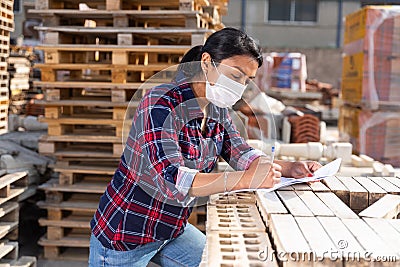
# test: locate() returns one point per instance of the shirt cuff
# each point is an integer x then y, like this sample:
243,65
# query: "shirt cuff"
247,158
184,179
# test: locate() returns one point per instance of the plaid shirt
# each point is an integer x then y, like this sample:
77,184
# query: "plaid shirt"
147,199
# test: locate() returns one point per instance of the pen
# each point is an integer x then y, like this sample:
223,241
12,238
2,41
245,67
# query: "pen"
272,154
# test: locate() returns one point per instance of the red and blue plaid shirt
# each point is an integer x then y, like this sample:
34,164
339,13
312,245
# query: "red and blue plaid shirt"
147,200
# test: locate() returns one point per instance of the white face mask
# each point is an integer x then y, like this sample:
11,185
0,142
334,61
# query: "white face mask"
225,93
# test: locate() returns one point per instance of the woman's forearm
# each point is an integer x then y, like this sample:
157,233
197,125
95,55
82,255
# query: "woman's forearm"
205,184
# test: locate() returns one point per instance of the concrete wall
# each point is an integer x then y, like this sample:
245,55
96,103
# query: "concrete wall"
19,18
293,35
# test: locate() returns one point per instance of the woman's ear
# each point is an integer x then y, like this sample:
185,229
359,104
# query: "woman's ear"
205,61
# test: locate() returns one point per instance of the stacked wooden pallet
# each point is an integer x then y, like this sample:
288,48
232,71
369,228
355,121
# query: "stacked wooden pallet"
19,69
6,26
11,187
309,225
96,57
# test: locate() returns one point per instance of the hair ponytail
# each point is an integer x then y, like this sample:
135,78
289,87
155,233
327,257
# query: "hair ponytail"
194,54
221,45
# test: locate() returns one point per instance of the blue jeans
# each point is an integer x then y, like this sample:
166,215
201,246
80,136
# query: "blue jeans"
185,250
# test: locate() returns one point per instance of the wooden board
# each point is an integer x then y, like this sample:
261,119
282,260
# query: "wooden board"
8,250
54,249
173,31
388,207
24,261
90,145
78,187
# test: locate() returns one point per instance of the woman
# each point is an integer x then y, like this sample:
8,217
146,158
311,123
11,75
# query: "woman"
179,131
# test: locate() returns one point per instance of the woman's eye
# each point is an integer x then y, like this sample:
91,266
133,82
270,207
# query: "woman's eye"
236,77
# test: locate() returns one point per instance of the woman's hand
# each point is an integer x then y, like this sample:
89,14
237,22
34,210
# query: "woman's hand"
261,174
300,169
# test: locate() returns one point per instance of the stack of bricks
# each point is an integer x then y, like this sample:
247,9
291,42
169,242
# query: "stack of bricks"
342,221
6,26
96,58
304,129
370,117
235,232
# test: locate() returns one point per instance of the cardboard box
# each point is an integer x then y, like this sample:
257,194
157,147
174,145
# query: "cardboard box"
374,133
286,71
372,56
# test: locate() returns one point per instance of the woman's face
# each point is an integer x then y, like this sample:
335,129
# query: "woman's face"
241,69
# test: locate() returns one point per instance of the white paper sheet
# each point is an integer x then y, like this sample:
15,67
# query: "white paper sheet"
327,170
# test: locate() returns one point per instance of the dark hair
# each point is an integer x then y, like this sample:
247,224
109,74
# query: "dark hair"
222,44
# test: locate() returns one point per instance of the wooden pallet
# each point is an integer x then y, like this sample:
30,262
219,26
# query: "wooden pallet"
101,72
3,114
8,250
126,18
198,217
73,247
94,91
139,35
72,174
89,108
79,204
87,127
24,261
12,185
123,4
56,192
9,216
